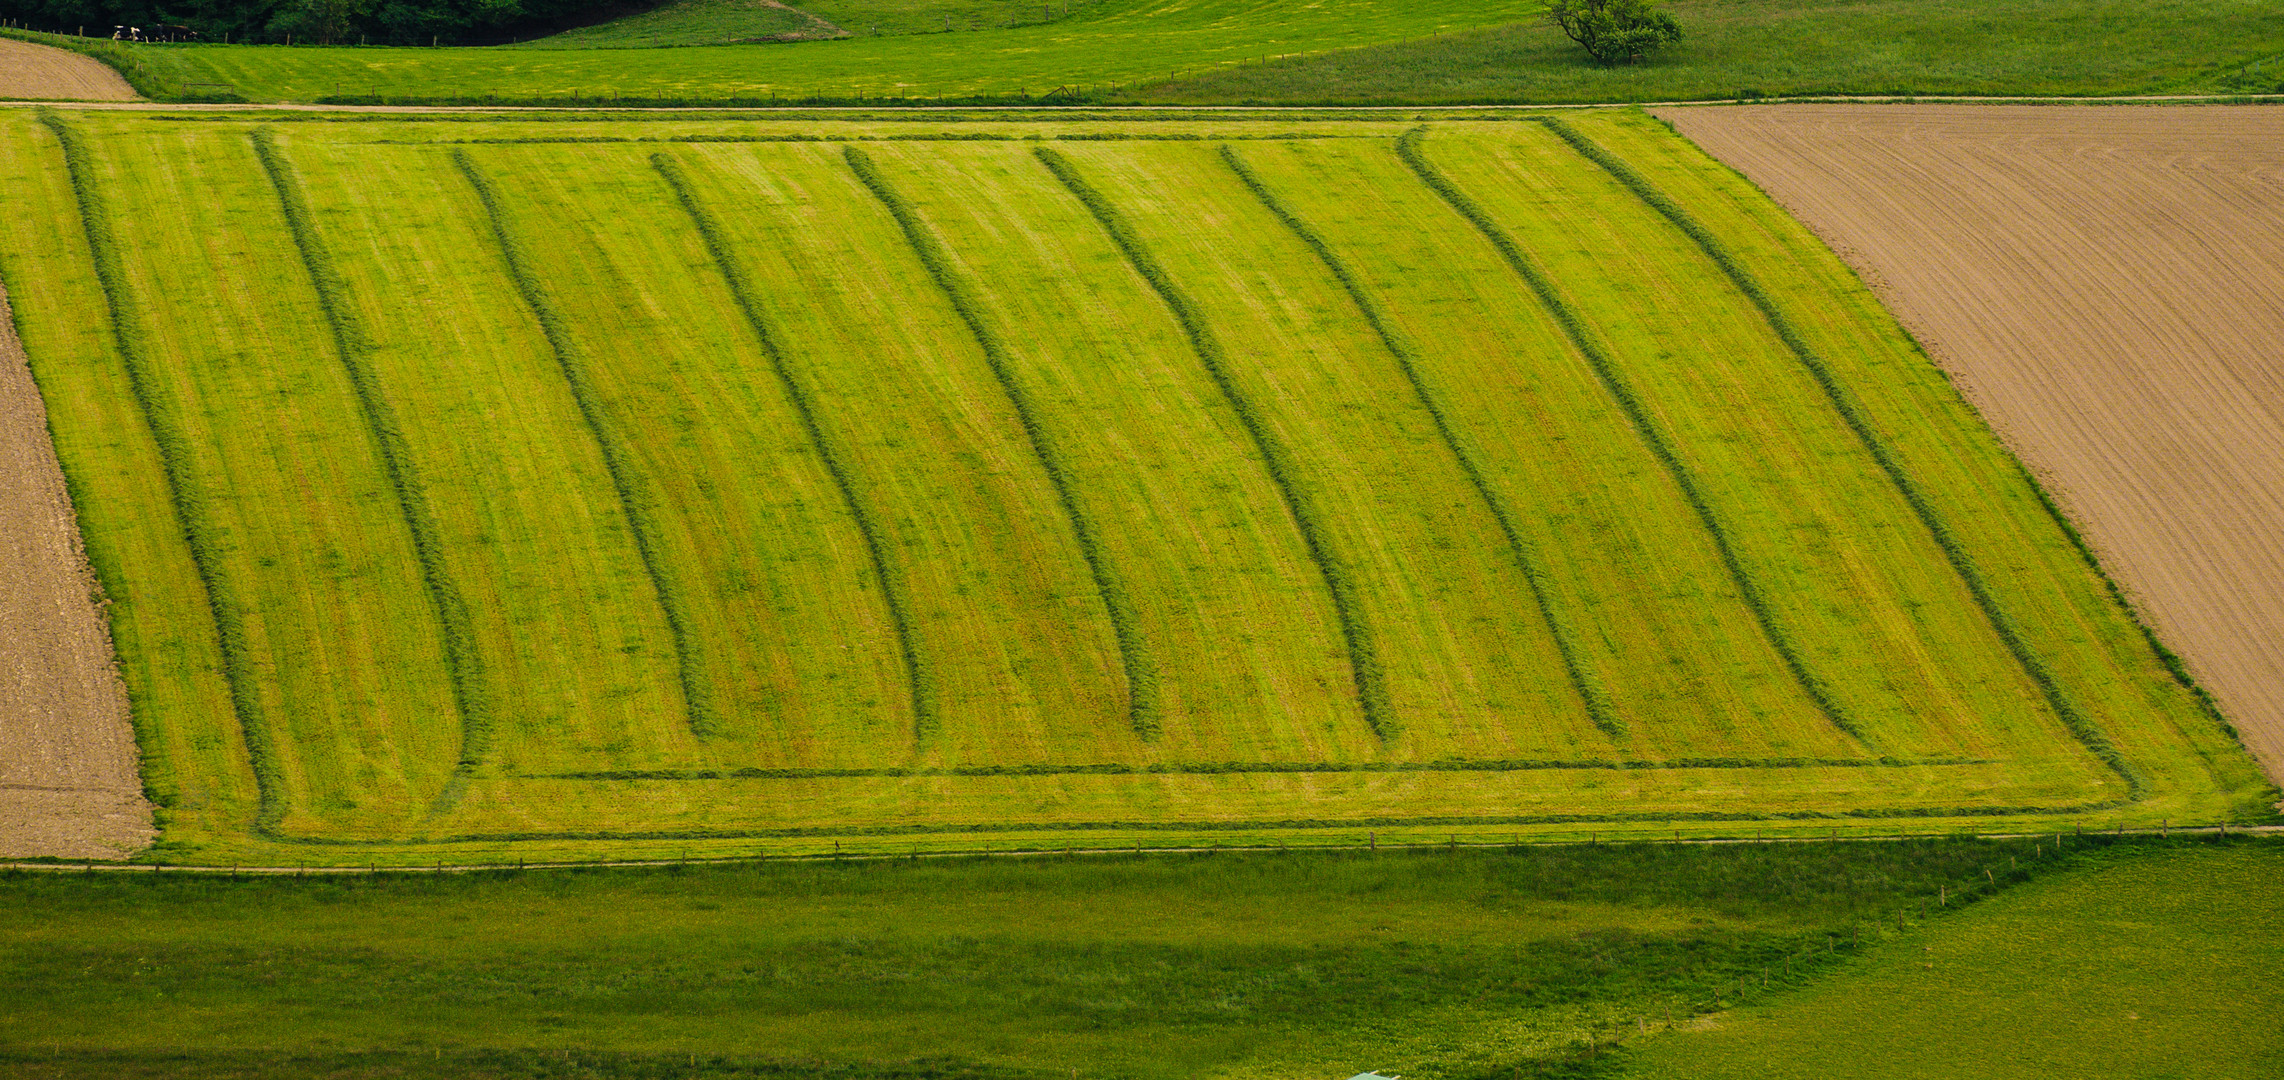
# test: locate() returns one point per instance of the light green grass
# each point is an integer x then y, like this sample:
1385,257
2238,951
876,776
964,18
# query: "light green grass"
2145,964
1282,51
1112,520
1431,965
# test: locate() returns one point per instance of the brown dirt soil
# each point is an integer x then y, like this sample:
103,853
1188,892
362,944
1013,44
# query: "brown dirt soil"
2106,284
29,71
69,784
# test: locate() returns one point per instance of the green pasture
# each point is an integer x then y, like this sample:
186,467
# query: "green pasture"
484,491
1276,51
1431,965
2145,963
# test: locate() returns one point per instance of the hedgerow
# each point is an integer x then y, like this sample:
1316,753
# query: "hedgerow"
1638,415
184,493
1582,678
697,693
1363,655
924,719
1141,671
2083,728
464,664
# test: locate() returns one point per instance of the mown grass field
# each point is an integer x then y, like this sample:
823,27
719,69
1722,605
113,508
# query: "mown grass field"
1427,964
1278,51
475,491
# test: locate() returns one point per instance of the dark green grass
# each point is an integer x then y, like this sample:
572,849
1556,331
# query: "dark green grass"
2145,962
1802,47
1431,964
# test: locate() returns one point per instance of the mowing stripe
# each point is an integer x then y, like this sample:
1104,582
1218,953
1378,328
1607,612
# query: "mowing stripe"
1363,656
1264,768
183,489
1637,414
2079,725
697,695
463,662
1583,680
1141,671
924,719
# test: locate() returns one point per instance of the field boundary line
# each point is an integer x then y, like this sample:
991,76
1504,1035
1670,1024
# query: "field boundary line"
187,497
1363,651
1637,414
924,719
1260,768
2087,732
1141,673
463,662
697,697
1583,680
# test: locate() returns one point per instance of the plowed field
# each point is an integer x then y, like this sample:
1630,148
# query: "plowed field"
2108,286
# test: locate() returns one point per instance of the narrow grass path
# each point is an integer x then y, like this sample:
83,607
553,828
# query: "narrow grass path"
925,720
1638,416
1363,654
1142,704
185,493
2080,726
696,692
464,662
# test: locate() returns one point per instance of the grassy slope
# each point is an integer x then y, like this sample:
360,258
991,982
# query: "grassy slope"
1210,51
1793,47
1428,965
1125,41
2150,963
696,533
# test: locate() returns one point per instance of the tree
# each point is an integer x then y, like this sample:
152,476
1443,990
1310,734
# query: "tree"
1615,30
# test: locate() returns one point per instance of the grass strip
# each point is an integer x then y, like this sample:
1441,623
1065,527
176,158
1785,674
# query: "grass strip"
2080,726
463,661
1443,821
1250,768
924,719
1141,670
1582,679
1363,654
1638,415
697,695
183,489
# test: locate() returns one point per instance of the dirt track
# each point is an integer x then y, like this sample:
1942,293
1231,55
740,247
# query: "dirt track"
2107,284
37,71
69,782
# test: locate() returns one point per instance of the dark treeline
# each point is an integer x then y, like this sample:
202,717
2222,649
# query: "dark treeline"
323,22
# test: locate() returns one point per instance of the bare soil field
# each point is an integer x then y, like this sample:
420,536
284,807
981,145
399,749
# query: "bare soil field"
29,71
2107,285
69,781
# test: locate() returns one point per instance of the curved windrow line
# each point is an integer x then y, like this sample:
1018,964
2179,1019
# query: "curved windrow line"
182,478
924,719
1582,679
1363,655
462,661
1637,414
697,696
1141,672
2083,728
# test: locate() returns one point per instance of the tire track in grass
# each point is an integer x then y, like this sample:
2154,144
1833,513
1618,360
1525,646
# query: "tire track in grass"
1583,680
1637,414
464,663
2083,728
697,696
1141,671
1363,653
924,719
184,492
